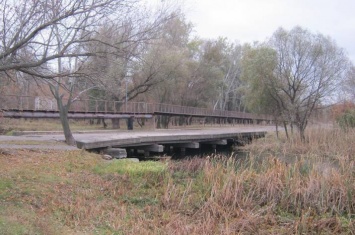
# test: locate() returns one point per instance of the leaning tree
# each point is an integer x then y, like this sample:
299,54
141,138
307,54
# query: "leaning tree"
49,40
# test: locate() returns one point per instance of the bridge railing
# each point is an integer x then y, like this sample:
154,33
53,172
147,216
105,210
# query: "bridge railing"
13,102
106,106
185,110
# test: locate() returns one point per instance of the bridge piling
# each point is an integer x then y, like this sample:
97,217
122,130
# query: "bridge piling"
115,123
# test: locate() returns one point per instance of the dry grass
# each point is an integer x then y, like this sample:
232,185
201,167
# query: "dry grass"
7,126
32,142
313,192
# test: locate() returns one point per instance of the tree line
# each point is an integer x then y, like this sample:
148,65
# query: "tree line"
123,50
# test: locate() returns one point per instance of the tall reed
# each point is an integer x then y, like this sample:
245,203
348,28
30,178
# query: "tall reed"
283,187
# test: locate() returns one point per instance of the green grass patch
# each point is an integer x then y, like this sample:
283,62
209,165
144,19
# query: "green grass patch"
126,166
10,133
5,188
141,201
4,184
18,220
11,227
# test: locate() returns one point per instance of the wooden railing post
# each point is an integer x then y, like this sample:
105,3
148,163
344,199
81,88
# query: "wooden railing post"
20,103
86,103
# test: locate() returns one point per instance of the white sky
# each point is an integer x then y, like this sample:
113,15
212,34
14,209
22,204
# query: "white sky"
256,20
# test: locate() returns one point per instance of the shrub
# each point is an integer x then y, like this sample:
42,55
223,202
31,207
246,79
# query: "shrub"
347,120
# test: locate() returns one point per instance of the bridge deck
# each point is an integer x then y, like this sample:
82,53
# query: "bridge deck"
165,137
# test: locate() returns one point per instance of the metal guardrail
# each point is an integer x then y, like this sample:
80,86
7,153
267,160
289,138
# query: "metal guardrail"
13,102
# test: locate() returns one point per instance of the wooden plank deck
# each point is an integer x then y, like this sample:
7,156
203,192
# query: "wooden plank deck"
166,137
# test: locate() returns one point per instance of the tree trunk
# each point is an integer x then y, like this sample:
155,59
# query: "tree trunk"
159,122
302,136
286,131
301,126
189,121
302,129
115,123
63,111
165,121
181,121
104,123
277,129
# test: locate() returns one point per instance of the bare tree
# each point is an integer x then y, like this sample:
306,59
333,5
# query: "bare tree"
308,70
41,37
349,84
32,28
135,65
292,75
258,64
229,92
50,40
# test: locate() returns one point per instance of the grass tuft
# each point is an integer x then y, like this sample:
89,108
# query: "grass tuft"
126,166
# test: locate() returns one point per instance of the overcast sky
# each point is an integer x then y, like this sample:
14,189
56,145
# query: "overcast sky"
256,20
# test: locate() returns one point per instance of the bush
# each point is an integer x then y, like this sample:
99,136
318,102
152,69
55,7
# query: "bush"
347,120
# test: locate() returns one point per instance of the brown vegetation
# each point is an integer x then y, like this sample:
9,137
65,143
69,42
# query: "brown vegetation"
283,187
8,126
341,108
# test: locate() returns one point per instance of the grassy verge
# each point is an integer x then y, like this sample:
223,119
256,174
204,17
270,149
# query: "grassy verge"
32,142
7,126
285,187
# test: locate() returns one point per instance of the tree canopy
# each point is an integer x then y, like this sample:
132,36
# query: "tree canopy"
303,70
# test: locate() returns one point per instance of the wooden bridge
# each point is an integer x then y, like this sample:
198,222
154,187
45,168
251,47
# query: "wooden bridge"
121,143
13,106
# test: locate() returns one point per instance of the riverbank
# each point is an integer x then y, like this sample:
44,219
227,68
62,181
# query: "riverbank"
310,191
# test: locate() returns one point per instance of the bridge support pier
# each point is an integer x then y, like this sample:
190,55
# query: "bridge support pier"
217,142
182,152
214,143
130,121
115,123
153,120
117,152
156,148
168,149
192,145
